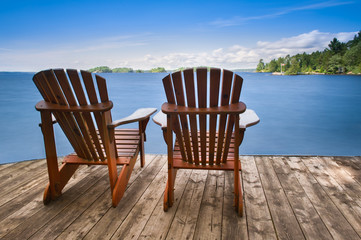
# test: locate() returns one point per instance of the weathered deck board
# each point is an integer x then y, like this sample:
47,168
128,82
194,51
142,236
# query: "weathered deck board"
284,198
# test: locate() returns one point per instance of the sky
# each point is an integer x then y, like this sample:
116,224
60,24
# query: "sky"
37,35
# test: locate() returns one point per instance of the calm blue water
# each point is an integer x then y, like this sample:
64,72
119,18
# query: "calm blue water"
307,115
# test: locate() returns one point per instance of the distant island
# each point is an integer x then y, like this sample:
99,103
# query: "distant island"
105,69
339,58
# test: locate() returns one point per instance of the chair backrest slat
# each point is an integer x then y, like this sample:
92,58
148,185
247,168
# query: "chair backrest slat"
202,103
191,102
66,88
168,85
66,120
179,93
80,94
215,75
236,93
93,99
225,96
204,139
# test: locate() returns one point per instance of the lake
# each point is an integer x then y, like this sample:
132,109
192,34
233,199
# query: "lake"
300,115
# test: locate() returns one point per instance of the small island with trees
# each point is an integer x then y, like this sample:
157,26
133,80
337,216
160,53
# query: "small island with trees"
339,58
105,69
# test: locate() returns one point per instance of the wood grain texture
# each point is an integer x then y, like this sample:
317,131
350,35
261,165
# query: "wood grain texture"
310,186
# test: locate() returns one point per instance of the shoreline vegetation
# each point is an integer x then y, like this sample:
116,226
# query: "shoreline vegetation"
106,69
339,58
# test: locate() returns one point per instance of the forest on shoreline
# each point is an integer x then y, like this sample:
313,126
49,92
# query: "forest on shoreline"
338,58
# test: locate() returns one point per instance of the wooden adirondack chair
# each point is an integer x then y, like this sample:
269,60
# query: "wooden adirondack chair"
95,142
209,121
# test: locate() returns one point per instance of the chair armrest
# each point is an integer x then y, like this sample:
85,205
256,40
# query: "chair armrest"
235,108
139,115
53,107
161,119
248,118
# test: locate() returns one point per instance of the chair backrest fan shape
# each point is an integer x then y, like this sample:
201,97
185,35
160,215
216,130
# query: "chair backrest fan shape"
203,139
83,129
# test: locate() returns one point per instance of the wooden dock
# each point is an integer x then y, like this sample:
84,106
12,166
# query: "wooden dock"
286,197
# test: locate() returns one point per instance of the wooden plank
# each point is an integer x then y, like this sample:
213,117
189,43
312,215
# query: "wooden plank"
349,208
134,223
29,219
351,165
11,203
209,223
307,216
351,186
159,222
86,221
109,223
233,226
309,189
286,224
5,165
183,224
17,175
62,220
258,216
7,168
334,220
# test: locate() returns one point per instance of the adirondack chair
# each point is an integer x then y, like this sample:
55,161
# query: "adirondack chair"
87,123
204,112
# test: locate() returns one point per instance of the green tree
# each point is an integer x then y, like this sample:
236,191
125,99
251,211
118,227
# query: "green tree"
101,69
336,46
158,70
122,70
335,64
295,67
352,57
260,66
355,41
272,66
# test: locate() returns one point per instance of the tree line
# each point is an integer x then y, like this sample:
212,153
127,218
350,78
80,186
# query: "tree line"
338,58
105,69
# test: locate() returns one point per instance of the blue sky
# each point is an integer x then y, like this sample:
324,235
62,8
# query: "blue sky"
36,35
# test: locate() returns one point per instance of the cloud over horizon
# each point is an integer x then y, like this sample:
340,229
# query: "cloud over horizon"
238,56
232,57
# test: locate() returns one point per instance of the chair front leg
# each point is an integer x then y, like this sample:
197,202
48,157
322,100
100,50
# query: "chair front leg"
143,138
53,189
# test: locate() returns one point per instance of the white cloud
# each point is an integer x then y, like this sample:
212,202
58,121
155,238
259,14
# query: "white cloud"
230,57
246,57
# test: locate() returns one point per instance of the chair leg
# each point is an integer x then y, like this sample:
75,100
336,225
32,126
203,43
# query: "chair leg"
166,198
169,189
141,150
47,195
65,173
238,196
122,182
